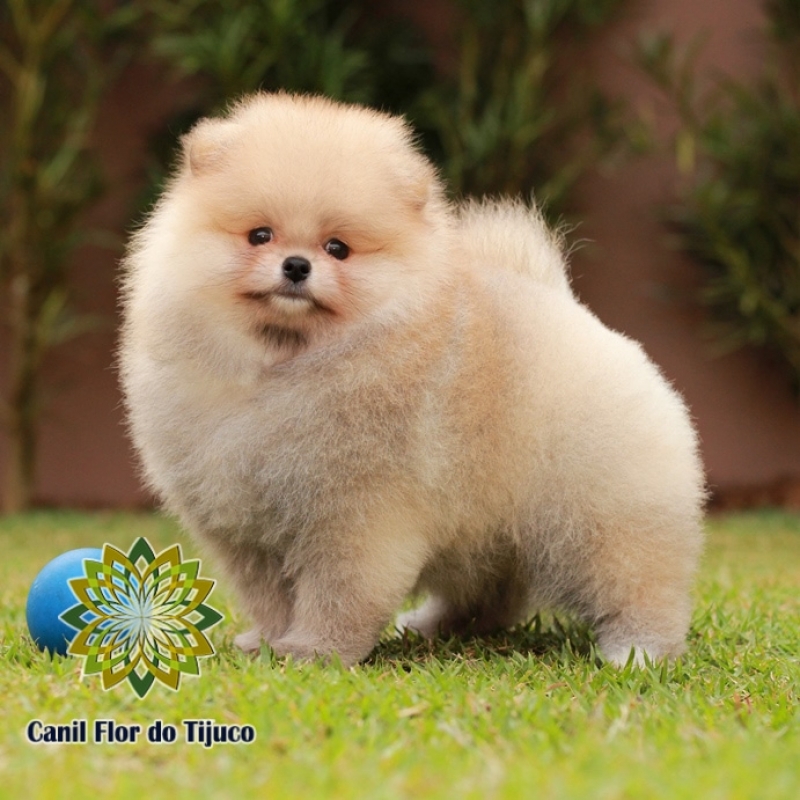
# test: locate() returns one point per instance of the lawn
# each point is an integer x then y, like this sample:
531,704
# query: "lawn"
529,714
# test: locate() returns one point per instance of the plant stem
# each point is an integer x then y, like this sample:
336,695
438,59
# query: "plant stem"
21,419
27,89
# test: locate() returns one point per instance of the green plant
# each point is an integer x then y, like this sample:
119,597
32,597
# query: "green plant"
51,81
738,149
330,47
522,113
241,45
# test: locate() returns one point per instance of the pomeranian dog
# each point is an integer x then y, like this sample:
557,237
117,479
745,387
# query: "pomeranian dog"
354,392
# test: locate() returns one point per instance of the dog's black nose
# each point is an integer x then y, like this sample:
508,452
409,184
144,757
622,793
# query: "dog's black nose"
296,268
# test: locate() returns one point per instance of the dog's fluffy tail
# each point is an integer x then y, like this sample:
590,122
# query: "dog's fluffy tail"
514,236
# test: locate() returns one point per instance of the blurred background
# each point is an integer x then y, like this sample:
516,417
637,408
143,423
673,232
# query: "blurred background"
663,134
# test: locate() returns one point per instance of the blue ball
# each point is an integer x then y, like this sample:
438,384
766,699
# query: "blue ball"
51,595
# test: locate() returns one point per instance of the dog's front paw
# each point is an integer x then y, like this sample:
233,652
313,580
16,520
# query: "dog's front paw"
249,642
298,649
303,648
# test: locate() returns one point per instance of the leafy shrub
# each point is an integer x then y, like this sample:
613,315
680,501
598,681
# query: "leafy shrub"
738,147
522,112
307,46
55,60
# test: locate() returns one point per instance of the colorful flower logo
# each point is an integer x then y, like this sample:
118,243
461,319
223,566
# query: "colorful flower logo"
141,617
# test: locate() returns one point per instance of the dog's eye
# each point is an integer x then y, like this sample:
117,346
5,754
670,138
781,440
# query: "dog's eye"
259,236
337,249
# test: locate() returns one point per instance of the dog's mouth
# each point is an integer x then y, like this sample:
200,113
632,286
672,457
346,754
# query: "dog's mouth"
290,293
286,298
258,297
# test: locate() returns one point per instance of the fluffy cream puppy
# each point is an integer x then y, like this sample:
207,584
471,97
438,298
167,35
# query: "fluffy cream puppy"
352,393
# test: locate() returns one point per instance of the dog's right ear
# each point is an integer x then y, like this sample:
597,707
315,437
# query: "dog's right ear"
205,145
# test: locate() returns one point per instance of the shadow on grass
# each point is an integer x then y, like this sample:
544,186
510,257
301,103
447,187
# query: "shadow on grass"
544,636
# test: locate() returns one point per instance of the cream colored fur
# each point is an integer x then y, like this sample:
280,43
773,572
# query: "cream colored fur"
434,414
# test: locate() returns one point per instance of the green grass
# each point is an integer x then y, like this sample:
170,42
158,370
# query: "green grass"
529,714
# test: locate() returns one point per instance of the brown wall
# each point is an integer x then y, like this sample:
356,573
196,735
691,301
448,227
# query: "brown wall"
748,420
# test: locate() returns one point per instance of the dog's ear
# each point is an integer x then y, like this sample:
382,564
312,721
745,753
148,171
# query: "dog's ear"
418,185
423,186
412,173
206,144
